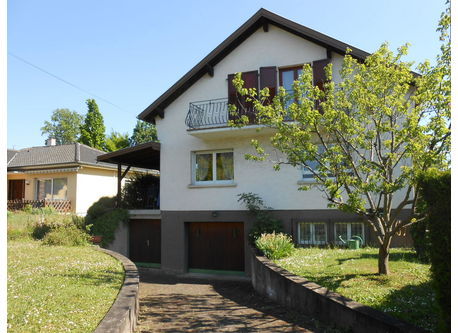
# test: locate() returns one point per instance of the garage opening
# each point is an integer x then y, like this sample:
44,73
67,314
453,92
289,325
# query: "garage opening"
216,246
145,242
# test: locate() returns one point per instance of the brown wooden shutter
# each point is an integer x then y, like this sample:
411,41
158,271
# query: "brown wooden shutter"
319,75
232,92
268,78
244,108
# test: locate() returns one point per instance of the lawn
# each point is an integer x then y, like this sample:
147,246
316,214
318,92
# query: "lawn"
59,289
406,294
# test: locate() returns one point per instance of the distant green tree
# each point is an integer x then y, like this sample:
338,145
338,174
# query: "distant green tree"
93,129
117,141
143,132
64,126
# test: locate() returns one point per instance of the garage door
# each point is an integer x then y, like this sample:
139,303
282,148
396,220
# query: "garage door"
216,246
145,241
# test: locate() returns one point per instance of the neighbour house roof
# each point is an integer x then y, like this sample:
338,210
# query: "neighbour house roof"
54,156
144,155
10,153
261,18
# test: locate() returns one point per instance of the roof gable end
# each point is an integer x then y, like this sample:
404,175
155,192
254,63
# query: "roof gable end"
262,18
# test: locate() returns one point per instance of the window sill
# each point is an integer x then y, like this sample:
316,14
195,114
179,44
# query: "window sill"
211,185
310,181
307,181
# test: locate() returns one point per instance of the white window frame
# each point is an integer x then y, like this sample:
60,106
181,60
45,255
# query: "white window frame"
337,239
305,171
214,181
312,231
37,180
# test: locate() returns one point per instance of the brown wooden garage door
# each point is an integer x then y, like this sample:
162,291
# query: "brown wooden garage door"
216,246
145,241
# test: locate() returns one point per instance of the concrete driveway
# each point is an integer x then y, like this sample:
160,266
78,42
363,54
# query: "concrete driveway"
187,304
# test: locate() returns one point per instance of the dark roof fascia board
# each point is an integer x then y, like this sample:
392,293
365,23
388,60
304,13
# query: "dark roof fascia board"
106,157
229,44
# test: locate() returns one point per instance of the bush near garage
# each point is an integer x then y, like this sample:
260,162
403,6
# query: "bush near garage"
435,189
103,218
275,246
264,223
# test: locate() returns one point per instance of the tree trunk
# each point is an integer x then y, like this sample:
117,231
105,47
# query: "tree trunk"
384,255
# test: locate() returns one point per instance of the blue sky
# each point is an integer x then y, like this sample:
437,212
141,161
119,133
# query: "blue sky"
130,52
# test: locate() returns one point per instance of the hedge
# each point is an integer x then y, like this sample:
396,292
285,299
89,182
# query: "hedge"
435,190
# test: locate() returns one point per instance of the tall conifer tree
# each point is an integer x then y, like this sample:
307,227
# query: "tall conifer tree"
93,129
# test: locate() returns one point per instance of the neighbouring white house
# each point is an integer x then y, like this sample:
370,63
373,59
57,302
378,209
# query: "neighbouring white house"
67,177
201,227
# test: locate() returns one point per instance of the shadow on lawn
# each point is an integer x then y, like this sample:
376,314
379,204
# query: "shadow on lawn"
91,279
395,256
413,303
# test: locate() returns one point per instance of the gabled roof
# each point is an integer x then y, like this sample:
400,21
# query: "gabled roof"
262,18
53,156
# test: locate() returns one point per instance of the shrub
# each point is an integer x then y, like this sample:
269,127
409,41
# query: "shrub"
435,189
275,246
45,223
264,223
100,207
141,192
39,211
68,235
421,241
103,218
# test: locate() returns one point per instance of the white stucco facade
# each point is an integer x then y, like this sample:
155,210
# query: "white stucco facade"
279,189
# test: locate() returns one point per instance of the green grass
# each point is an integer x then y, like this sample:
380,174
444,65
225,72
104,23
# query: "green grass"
406,293
59,289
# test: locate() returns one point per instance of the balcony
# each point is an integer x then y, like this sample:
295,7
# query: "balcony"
209,119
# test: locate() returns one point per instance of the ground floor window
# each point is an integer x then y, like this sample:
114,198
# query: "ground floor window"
312,233
51,189
347,230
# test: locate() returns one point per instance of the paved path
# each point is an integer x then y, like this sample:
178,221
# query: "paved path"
179,304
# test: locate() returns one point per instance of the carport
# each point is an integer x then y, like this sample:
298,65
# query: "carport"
146,156
142,241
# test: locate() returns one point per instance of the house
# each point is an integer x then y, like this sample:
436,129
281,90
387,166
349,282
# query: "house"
67,177
201,227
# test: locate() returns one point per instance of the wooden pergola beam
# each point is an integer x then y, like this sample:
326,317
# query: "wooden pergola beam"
121,176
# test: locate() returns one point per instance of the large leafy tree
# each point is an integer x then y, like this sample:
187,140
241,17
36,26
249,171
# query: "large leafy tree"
93,128
116,141
142,133
64,126
370,134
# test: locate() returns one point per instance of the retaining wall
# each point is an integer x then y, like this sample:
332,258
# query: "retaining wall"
123,314
297,293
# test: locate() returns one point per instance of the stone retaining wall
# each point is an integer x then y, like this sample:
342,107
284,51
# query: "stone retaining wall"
123,314
297,293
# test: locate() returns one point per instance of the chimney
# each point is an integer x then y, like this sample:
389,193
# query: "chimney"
50,141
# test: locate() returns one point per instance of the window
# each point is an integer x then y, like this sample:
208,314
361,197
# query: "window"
51,189
288,76
213,167
311,233
313,164
347,230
